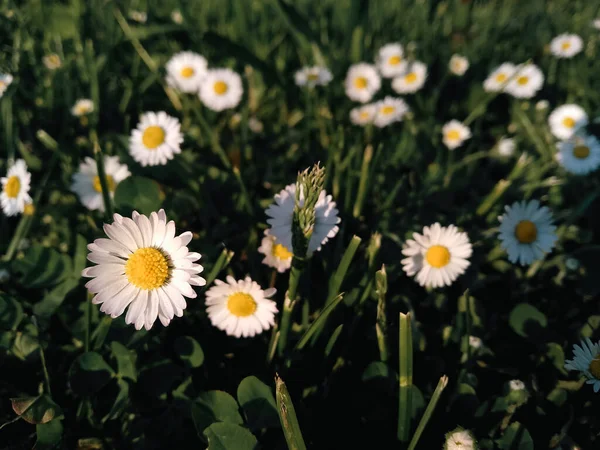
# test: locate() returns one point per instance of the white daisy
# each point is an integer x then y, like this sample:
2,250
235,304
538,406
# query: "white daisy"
221,89
363,115
567,119
362,82
52,61
596,24
506,146
156,139
454,134
15,189
475,342
185,71
281,214
496,80
5,81
587,361
566,45
145,267
86,182
526,231
177,17
438,256
528,80
458,65
460,440
82,107
390,60
516,385
412,79
138,16
313,76
240,308
276,255
389,110
579,155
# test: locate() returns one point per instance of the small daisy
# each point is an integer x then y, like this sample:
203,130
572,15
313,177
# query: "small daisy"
362,82
527,81
596,24
82,107
542,105
221,89
516,385
240,308
52,61
458,65
454,134
5,81
15,189
389,110
313,76
86,182
438,256
579,155
460,439
496,81
276,255
566,45
475,342
138,16
526,231
587,361
363,115
412,79
185,71
506,146
281,214
566,119
177,17
144,266
156,139
390,60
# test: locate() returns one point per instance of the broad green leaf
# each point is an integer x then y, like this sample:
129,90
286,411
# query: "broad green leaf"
228,436
258,403
125,360
190,351
48,434
42,267
516,437
89,373
11,312
214,406
138,193
24,345
524,318
36,410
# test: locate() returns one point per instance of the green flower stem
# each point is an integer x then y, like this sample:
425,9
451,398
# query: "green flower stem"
428,412
222,262
335,282
530,129
19,235
99,157
464,308
7,119
405,379
313,331
289,303
364,178
381,322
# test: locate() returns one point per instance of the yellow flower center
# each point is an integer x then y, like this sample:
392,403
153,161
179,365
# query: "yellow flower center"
526,232
595,367
438,256
187,72
410,77
566,45
394,60
453,135
281,252
220,87
568,122
523,80
12,187
241,304
109,181
387,110
312,76
153,137
501,78
360,82
29,209
364,115
581,152
148,268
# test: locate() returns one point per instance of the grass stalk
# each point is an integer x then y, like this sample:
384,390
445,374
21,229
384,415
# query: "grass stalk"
287,416
363,183
428,412
381,322
405,377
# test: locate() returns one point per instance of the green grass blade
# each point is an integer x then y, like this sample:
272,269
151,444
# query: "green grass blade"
428,412
318,323
287,416
405,377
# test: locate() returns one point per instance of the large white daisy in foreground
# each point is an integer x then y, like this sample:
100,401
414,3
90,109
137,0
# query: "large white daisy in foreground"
221,89
363,115
86,182
390,60
276,255
240,308
527,81
579,155
389,110
156,139
454,133
587,361
144,266
281,213
313,76
362,82
185,71
565,120
438,256
412,79
566,45
526,232
496,80
15,189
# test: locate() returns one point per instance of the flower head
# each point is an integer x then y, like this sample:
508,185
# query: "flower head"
82,107
458,65
185,71
528,80
580,154
497,80
15,189
566,45
52,61
177,17
362,82
5,81
390,60
460,439
363,115
454,134
138,16
565,120
506,146
276,255
412,79
313,76
156,139
587,361
516,385
221,89
389,110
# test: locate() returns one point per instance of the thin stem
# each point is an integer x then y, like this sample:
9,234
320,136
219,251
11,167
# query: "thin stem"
428,412
405,378
88,322
364,177
289,303
45,369
108,207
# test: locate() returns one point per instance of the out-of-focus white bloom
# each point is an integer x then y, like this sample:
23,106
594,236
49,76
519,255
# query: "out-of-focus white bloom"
255,125
580,154
15,189
497,80
52,61
458,65
390,60
475,342
454,133
527,81
186,71
313,76
565,120
363,115
389,110
412,79
566,45
276,255
362,82
221,89
460,439
82,107
506,146
516,385
156,139
587,361
138,16
177,17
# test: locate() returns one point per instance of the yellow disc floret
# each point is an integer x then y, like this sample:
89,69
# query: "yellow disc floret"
437,256
360,82
153,137
410,77
523,80
12,187
526,232
453,135
394,60
220,87
148,268
501,78
595,367
281,252
241,304
187,72
387,110
568,122
109,181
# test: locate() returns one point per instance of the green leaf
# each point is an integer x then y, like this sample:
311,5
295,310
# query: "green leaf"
379,369
89,373
11,313
593,323
556,354
53,299
524,318
214,406
42,267
138,193
227,436
516,437
26,342
190,351
120,401
125,360
258,403
287,415
48,434
36,410
319,322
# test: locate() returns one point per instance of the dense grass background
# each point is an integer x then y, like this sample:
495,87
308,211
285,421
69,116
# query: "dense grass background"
143,397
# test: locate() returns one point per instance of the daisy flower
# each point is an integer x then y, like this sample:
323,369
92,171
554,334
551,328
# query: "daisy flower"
596,24
5,81
240,308
390,60
144,266
15,189
438,256
313,76
362,82
52,61
475,342
281,214
500,75
185,71
389,110
454,134
516,385
86,182
566,119
138,16
276,255
82,107
412,79
528,80
587,361
566,45
177,17
460,439
221,89
579,155
458,65
363,115
156,139
526,231
506,146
